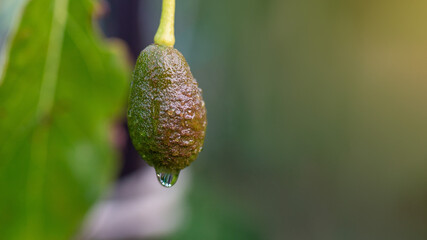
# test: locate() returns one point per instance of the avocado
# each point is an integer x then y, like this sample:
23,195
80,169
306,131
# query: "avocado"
166,112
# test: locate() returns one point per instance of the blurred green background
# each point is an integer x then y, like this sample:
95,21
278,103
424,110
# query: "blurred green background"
316,116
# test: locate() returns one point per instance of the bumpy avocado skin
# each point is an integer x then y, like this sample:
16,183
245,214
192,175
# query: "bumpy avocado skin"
166,113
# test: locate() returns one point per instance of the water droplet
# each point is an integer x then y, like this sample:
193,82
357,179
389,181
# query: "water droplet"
186,132
167,179
186,142
189,115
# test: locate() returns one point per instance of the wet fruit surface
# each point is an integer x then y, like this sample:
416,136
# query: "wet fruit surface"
166,114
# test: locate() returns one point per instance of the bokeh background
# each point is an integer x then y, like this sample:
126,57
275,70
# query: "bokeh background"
317,119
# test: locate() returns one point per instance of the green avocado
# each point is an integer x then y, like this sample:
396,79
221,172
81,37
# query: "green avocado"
166,112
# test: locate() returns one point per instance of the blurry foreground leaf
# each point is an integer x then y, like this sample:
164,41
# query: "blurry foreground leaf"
60,88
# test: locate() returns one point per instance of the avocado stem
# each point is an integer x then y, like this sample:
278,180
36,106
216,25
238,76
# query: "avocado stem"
165,33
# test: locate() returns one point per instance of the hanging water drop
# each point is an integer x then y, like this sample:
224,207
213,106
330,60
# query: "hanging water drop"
167,179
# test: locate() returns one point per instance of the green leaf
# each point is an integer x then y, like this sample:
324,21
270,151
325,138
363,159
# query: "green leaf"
61,88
